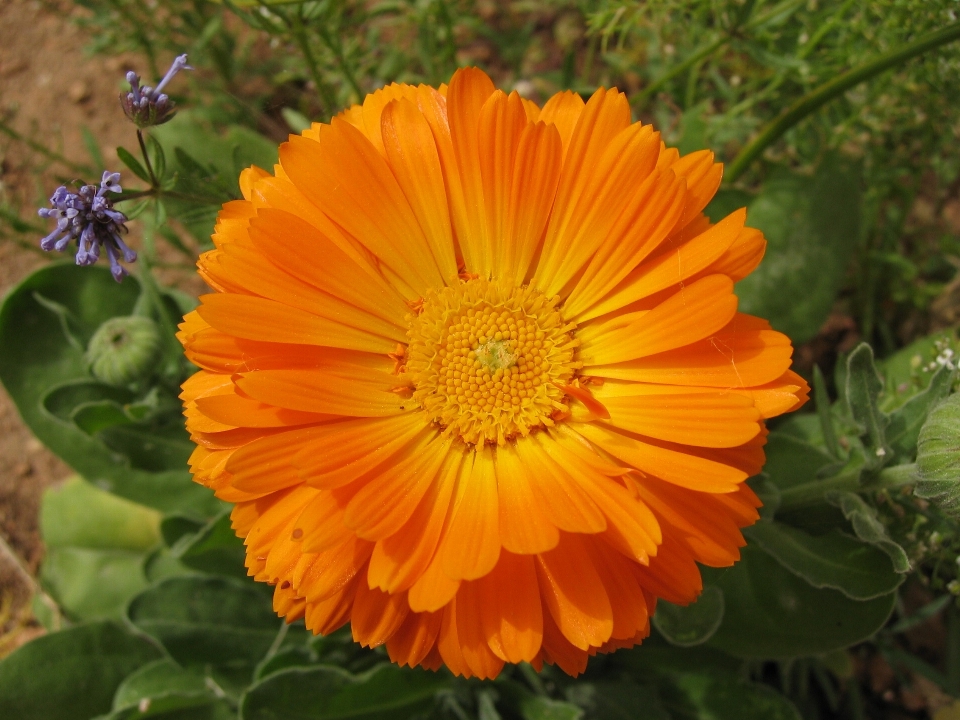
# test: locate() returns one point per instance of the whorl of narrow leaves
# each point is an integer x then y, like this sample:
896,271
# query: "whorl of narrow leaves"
938,456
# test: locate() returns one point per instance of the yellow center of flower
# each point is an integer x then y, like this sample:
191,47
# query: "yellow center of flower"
488,362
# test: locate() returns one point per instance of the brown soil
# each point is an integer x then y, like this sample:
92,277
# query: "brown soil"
49,89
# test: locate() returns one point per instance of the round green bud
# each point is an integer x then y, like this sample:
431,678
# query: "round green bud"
938,455
124,350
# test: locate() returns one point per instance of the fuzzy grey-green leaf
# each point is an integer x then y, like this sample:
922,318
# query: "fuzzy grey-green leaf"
938,455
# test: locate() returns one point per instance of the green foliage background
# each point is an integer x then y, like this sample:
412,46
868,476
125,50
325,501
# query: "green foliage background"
143,587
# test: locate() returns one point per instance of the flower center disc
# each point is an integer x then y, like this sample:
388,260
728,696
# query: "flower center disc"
488,361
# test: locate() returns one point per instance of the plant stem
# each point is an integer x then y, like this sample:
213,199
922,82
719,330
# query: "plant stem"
154,184
303,43
37,147
810,493
814,100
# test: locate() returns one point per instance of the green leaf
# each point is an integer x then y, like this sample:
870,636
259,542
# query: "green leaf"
208,165
859,570
868,527
36,357
772,613
96,545
910,369
625,700
386,692
812,225
863,388
938,456
903,433
156,679
71,674
768,493
78,514
824,414
127,158
207,620
694,624
702,684
537,707
215,549
792,461
297,121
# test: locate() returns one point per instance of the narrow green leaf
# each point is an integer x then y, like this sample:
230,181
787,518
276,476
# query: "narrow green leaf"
823,412
297,121
859,570
693,624
131,162
71,674
862,392
92,146
387,692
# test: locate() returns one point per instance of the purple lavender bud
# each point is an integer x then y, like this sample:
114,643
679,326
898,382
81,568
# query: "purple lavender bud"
88,217
147,106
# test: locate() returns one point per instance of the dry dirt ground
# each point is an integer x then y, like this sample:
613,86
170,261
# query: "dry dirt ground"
49,88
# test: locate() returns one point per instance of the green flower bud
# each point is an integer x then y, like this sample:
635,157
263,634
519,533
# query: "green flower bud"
938,455
124,350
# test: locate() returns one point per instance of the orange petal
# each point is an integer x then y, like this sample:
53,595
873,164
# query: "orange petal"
510,608
339,453
691,314
676,467
563,111
411,644
399,560
536,173
706,419
413,156
468,91
246,316
499,130
472,543
481,660
574,593
525,526
385,503
673,267
376,615
313,390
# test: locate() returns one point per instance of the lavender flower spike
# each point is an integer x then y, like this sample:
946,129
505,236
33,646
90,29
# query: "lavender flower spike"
148,106
88,217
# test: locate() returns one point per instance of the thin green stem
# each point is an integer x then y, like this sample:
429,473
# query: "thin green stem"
300,35
333,43
811,493
814,100
710,48
46,152
154,183
677,70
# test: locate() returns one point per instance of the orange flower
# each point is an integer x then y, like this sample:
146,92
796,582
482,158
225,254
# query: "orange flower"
475,378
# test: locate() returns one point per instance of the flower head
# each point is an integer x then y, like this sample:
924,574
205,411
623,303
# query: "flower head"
88,217
147,106
475,378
